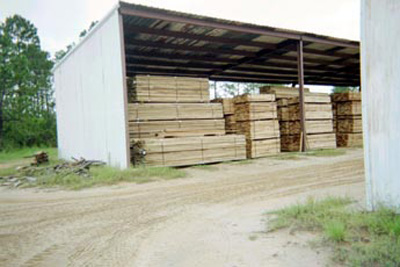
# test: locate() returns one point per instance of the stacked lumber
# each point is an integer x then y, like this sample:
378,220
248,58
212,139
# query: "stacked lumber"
184,151
173,111
348,119
228,109
171,122
149,88
256,118
282,92
319,125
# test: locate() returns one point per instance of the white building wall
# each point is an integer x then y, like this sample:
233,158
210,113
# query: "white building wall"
380,52
90,98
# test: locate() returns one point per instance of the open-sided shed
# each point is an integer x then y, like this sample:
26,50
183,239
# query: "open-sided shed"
90,81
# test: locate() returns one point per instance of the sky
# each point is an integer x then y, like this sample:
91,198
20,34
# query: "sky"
59,22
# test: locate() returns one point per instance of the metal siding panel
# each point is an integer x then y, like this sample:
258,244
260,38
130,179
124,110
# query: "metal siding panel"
90,98
380,53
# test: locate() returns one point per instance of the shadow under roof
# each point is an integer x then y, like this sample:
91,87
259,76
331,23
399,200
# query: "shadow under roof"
166,42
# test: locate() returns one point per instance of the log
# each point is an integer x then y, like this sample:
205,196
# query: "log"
262,148
349,139
147,88
173,111
186,151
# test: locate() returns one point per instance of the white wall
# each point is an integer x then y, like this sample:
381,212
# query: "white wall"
90,98
380,52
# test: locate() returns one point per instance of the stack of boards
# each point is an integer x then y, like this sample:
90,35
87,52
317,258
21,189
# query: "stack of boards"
318,115
228,109
348,119
256,118
172,123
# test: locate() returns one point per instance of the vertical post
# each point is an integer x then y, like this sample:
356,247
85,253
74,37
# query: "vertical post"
300,67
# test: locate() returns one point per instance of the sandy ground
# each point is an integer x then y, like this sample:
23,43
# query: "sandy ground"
213,218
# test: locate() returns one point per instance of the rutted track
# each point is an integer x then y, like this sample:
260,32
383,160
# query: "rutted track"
113,226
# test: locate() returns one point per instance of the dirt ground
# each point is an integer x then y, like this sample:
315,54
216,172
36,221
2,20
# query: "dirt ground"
215,217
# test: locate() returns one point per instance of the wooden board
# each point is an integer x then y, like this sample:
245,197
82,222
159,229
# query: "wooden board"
349,125
255,111
311,98
314,141
254,98
152,129
230,124
173,111
344,97
283,113
262,148
349,139
313,127
349,108
147,88
312,111
281,92
284,102
188,150
227,105
259,129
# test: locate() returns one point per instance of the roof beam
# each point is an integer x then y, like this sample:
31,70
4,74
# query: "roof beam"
126,9
129,29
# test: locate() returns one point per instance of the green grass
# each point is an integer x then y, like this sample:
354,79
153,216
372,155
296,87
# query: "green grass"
104,175
20,154
359,238
241,162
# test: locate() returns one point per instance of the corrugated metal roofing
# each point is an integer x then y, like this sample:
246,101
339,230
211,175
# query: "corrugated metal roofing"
159,41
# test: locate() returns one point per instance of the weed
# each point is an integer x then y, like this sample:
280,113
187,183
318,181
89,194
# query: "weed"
359,238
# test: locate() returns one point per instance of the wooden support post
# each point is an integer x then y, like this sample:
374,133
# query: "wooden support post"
303,135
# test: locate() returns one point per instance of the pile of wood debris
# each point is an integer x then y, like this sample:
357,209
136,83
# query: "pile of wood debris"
28,174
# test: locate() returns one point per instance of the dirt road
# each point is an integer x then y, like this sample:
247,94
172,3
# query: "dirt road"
213,218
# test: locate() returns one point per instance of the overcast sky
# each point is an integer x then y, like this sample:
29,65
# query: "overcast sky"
59,22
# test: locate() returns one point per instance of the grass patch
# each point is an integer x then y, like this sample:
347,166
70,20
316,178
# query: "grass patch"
19,154
105,175
359,238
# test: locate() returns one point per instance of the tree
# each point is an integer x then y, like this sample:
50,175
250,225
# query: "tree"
27,114
343,89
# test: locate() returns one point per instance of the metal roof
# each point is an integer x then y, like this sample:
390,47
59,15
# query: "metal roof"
159,41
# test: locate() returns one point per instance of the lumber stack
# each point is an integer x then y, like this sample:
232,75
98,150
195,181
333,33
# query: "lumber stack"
187,151
228,109
319,125
256,118
171,122
282,92
348,119
149,88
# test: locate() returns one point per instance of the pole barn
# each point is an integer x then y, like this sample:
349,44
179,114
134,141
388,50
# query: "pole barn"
90,81
380,53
